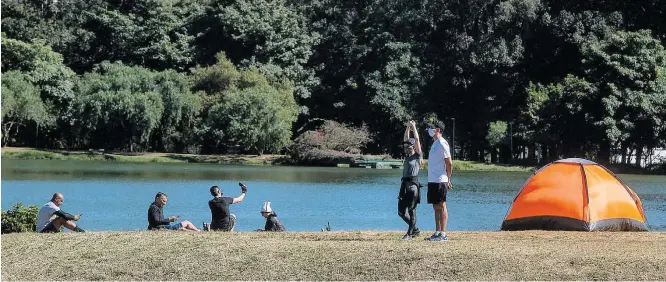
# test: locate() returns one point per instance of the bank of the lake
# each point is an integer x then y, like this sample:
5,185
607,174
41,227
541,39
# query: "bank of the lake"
363,255
150,157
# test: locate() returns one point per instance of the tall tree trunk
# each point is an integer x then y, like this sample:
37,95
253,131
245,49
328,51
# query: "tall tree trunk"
624,154
639,156
603,156
531,152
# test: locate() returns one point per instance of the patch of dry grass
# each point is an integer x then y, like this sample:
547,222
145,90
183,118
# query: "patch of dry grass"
366,255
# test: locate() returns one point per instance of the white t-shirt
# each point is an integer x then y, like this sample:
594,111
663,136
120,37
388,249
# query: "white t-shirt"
436,165
45,215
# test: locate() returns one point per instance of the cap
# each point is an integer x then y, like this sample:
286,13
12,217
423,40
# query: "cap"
266,207
436,124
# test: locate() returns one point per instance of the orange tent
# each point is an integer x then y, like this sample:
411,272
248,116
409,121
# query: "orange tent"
575,194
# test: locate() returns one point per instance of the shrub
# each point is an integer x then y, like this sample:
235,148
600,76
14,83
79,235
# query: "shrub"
331,143
19,219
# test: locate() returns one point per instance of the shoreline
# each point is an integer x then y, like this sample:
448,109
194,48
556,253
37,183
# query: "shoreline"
351,255
21,153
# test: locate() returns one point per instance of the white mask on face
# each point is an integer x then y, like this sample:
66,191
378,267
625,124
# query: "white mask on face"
431,132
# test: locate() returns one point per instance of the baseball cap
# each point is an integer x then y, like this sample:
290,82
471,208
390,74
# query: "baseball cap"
266,207
436,124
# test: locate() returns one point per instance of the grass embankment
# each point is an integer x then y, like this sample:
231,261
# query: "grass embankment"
35,154
479,166
367,255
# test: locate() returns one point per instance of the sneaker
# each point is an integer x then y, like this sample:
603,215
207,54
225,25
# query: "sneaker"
416,232
431,238
441,238
406,237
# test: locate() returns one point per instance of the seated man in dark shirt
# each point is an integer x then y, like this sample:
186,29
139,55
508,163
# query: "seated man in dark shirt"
156,220
272,221
223,220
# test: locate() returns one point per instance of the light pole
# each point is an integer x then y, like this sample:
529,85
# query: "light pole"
453,139
511,137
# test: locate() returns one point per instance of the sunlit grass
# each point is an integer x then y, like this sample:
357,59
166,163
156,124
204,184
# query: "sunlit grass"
363,255
34,154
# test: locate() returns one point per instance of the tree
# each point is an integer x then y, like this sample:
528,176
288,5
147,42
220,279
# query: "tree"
45,70
557,117
119,107
256,116
628,70
265,34
177,131
21,105
496,136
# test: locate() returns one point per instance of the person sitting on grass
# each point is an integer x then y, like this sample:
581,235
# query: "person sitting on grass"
156,220
50,217
272,221
222,218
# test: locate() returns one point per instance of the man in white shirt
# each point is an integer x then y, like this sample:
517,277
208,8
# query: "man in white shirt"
50,217
439,179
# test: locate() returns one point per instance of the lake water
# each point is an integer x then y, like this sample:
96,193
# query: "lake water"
116,196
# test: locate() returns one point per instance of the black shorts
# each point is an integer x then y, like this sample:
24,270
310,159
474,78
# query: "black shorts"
50,228
437,192
230,225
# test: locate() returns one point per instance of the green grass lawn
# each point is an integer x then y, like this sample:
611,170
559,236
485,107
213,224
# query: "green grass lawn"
35,154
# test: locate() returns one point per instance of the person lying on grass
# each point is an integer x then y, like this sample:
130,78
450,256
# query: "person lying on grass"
156,220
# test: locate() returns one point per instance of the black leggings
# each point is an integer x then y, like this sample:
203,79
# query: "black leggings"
408,203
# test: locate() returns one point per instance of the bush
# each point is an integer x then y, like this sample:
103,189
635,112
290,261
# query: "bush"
259,119
332,143
19,219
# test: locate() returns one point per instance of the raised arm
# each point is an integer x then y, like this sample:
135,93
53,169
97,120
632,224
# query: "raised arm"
405,137
242,195
417,143
417,140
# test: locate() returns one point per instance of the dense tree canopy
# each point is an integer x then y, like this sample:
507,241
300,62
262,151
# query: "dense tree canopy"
567,78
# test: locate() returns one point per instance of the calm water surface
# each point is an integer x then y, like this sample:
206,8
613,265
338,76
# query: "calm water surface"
116,196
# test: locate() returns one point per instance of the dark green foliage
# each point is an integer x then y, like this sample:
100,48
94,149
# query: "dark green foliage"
577,78
19,219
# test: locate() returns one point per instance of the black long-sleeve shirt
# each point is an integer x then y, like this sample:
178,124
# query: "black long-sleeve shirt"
273,223
64,214
156,217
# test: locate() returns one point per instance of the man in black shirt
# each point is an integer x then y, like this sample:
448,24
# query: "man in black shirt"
223,220
156,220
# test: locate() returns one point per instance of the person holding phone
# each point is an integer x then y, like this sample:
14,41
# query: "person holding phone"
156,220
50,217
222,218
